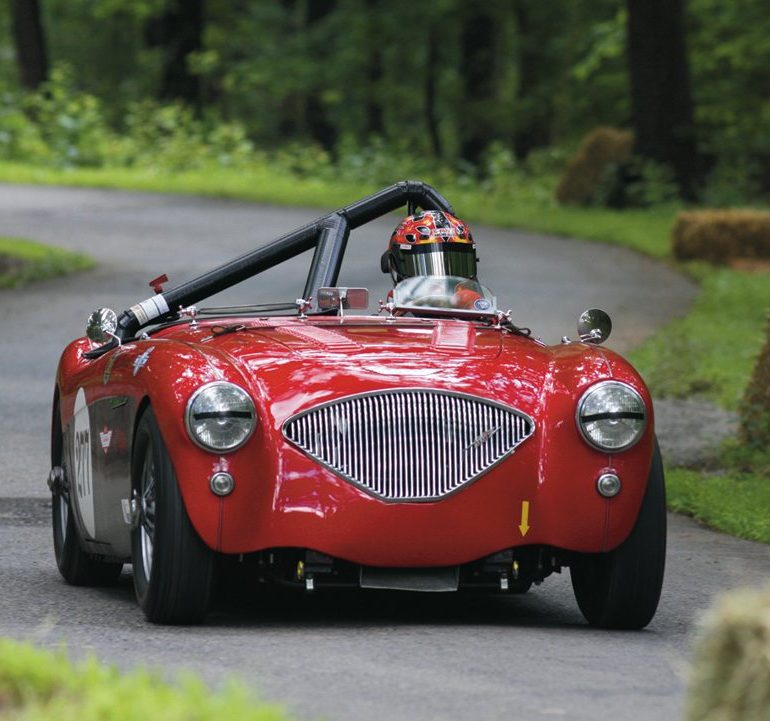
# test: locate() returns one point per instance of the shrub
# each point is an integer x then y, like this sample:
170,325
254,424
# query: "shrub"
755,409
637,182
731,671
600,150
71,124
719,236
38,685
20,140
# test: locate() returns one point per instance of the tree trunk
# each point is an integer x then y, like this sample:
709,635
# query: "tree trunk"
29,41
179,32
478,48
661,96
316,117
291,110
533,111
431,116
375,124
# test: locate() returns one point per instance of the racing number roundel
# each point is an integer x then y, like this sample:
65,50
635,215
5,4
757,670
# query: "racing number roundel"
82,471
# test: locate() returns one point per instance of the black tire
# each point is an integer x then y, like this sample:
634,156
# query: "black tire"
76,566
621,589
173,568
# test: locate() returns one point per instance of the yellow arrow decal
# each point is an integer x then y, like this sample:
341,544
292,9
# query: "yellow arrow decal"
524,525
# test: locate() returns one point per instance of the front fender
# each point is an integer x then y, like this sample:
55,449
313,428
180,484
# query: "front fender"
569,467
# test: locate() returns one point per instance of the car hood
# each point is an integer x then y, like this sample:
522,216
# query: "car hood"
293,365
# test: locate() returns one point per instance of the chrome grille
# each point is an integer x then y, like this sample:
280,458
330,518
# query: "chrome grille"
409,445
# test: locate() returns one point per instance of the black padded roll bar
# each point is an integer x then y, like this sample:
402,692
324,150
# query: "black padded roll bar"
329,235
327,259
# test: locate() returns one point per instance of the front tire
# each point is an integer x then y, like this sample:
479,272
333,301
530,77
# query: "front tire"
77,567
621,589
173,568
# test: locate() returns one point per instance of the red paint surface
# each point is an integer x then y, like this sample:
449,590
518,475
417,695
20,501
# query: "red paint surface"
284,498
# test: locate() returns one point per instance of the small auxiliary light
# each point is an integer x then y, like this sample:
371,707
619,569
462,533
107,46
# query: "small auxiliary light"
608,485
222,484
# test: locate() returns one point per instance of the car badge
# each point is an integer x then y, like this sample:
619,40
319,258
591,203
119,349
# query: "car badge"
141,360
105,437
483,438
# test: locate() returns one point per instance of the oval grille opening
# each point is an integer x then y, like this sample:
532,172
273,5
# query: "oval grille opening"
409,445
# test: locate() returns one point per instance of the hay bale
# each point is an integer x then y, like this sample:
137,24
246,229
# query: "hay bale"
755,409
600,149
730,677
719,236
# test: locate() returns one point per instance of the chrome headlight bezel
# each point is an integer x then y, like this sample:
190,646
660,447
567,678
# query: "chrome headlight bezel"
190,409
631,391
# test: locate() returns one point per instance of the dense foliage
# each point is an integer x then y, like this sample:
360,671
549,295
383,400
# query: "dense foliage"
133,81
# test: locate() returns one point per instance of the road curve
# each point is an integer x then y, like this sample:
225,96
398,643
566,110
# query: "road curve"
344,656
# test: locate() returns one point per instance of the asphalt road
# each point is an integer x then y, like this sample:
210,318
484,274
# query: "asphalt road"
345,656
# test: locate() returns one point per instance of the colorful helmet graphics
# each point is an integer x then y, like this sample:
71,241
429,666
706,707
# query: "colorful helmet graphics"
430,242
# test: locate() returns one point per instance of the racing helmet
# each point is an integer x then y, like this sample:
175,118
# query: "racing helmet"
430,242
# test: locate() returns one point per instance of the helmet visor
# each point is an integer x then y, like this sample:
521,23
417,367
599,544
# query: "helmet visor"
438,259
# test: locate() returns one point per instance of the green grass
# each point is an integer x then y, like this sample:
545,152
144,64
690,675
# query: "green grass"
39,685
646,231
711,352
731,501
22,261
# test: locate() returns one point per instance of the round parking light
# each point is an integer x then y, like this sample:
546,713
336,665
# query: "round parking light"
222,484
608,485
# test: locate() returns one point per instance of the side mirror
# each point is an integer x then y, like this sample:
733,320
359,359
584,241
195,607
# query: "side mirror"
102,325
343,298
594,326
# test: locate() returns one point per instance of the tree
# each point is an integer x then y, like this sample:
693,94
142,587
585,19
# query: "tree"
316,116
375,123
431,90
534,109
661,97
478,48
179,32
29,41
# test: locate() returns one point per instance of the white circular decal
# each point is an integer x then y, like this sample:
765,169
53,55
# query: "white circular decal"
83,479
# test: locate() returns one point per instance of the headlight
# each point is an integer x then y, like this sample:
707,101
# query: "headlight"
220,416
611,416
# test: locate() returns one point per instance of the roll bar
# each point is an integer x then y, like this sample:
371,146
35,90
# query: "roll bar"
328,234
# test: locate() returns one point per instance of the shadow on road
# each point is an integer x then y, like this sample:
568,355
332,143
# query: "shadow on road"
257,606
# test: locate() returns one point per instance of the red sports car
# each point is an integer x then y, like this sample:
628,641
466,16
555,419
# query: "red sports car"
435,446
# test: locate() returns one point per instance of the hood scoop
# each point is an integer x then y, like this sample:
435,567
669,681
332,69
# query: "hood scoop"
319,338
453,336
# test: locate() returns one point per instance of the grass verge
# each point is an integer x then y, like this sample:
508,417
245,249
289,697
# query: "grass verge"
646,231
709,353
732,501
39,685
22,261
